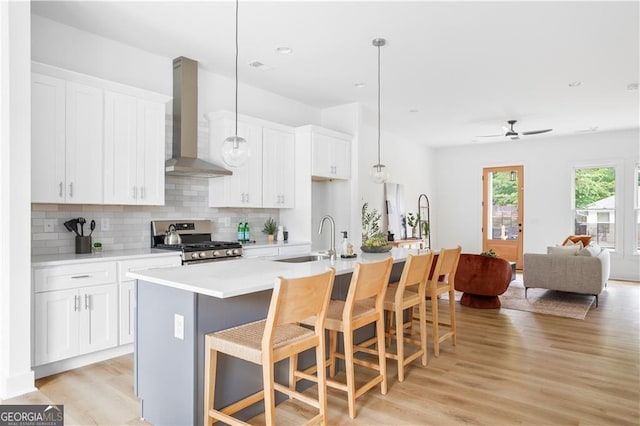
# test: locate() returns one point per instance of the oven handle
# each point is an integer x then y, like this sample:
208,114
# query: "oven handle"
219,259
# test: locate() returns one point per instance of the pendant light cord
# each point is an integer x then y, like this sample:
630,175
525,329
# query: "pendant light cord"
236,68
378,107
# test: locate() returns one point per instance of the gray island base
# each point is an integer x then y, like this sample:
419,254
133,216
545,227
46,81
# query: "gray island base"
169,371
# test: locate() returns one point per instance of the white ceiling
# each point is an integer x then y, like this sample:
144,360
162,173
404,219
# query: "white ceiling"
467,67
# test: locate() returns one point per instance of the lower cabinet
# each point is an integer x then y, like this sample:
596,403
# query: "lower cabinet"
84,308
75,322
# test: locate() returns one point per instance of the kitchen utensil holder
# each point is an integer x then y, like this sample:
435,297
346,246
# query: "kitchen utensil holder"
83,245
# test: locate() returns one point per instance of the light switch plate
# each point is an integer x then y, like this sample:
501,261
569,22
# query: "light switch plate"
104,224
178,326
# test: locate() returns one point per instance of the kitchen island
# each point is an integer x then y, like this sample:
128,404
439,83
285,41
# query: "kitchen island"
177,306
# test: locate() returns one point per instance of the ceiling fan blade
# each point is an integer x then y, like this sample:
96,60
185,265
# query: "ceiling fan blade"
488,136
535,132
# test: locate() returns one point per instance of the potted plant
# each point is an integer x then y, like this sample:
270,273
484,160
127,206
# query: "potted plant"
270,228
373,239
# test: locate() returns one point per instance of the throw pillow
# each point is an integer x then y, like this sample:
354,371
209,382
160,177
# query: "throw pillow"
563,250
586,239
592,250
570,243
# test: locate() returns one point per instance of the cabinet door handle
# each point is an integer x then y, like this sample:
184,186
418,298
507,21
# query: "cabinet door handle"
80,276
142,192
75,303
60,190
86,302
247,197
71,189
133,192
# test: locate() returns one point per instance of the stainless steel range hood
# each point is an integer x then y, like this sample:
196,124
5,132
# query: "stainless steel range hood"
184,160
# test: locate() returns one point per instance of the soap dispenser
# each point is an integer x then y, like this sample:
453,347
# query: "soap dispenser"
344,249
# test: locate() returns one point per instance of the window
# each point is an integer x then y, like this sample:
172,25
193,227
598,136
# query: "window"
637,207
595,204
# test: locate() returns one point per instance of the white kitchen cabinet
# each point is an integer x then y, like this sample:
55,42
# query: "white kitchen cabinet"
126,292
244,187
76,308
330,153
66,152
267,180
278,168
74,322
134,148
275,250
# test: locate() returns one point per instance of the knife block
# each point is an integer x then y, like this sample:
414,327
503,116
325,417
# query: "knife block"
83,245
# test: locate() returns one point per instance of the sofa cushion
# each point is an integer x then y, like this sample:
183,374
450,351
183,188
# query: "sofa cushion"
563,250
591,250
586,239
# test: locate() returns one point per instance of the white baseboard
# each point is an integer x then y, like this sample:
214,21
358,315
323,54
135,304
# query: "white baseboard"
16,385
80,361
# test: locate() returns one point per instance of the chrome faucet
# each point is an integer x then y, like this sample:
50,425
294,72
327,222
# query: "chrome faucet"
332,250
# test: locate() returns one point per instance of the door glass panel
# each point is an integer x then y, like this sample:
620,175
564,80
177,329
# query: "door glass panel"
503,205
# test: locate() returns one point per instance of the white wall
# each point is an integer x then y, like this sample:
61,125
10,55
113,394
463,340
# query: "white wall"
408,162
16,376
548,164
67,47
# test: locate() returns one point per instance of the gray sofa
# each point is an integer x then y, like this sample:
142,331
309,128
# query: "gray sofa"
582,273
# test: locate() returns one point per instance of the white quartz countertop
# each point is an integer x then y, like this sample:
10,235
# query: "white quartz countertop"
105,256
239,276
263,244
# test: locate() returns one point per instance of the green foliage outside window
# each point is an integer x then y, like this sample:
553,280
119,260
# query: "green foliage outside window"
594,184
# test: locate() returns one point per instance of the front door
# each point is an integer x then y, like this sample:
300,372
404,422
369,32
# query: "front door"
503,190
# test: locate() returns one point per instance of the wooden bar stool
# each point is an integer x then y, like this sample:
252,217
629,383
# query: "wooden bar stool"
363,306
446,266
268,341
408,293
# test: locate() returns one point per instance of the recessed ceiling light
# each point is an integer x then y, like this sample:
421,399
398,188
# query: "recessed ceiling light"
414,110
259,65
284,50
575,84
358,85
632,86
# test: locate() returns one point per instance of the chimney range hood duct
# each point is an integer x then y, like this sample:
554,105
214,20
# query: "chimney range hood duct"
184,160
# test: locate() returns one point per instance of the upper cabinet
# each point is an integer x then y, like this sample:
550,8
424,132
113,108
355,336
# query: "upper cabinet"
66,132
330,152
134,140
266,180
95,141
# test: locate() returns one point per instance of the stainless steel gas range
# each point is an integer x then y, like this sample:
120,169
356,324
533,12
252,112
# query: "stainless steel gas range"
196,244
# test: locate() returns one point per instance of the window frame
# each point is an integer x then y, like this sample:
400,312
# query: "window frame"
618,168
636,210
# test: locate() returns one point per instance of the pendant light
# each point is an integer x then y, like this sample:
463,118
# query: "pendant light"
379,171
235,149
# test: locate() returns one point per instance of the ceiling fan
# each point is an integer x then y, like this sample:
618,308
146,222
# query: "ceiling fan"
511,133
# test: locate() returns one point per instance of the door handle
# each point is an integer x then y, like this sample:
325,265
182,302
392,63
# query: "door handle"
60,190
75,303
71,189
86,302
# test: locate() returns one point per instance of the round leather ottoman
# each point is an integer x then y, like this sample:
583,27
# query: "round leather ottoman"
482,279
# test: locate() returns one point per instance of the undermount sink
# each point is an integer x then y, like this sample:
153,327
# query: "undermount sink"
305,258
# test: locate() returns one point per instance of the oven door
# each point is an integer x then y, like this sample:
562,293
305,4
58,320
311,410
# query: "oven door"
219,259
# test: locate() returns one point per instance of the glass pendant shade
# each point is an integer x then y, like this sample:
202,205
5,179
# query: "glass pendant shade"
379,173
235,151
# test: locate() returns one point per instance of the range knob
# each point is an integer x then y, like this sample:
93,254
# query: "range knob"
195,255
216,253
236,252
229,252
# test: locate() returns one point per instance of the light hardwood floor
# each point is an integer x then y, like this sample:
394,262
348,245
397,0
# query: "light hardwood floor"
509,367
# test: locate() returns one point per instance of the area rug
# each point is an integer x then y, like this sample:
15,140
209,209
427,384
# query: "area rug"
549,302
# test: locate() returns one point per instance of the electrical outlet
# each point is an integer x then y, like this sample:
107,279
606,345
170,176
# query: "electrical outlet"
104,224
49,225
227,221
178,326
